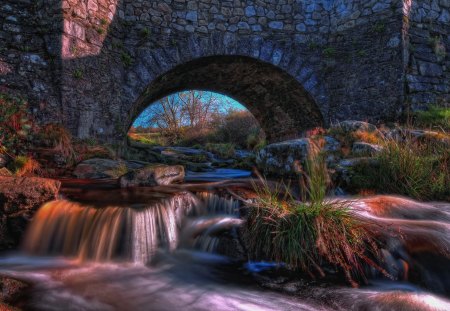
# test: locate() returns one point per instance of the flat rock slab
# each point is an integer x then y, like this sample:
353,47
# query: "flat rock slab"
153,175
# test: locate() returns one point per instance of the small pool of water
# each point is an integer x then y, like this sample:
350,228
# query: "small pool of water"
217,174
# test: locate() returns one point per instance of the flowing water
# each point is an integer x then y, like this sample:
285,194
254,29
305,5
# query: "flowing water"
141,249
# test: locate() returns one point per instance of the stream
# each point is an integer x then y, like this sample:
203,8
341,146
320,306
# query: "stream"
100,248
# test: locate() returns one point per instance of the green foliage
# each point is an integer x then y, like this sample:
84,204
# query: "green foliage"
362,53
312,45
145,32
379,27
100,31
416,169
306,233
152,139
126,59
256,140
77,73
16,125
329,52
438,46
103,21
225,151
434,117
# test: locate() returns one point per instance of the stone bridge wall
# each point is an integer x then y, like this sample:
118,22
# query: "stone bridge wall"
427,53
87,63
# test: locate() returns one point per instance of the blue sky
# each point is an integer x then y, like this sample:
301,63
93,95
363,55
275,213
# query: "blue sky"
227,102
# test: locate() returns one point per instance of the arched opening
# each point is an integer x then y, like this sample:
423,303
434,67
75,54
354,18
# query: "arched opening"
193,118
278,101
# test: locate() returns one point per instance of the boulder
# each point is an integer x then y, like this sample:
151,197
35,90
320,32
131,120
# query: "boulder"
98,168
153,175
353,126
11,292
331,144
285,158
365,149
20,197
344,171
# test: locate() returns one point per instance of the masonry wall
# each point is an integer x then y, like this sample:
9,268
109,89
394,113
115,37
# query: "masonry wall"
30,53
427,53
86,62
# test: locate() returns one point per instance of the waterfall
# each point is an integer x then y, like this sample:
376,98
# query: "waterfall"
89,233
130,233
219,214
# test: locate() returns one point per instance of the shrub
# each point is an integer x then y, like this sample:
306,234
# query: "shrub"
305,234
236,127
256,140
222,150
408,167
16,126
434,117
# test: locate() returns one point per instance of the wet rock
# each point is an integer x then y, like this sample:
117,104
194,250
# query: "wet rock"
20,197
365,149
97,168
11,291
331,144
285,158
153,175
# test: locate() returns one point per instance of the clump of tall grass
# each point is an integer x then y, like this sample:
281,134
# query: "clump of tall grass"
60,139
409,166
306,234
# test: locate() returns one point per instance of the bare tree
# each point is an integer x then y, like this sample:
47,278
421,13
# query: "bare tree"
168,115
199,107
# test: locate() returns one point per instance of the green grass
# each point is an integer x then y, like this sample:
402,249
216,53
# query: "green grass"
127,60
418,169
152,139
435,117
305,234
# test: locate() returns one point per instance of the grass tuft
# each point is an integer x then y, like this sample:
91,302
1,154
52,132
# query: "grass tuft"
306,234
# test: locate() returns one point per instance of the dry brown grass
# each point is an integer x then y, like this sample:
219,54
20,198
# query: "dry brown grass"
26,166
60,139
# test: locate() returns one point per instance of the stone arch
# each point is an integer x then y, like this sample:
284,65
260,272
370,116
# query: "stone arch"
278,101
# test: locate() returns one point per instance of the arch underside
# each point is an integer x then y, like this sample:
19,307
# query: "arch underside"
281,105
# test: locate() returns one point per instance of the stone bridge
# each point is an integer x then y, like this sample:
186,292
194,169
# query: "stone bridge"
94,65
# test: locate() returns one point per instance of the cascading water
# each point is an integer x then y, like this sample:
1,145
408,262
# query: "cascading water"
131,233
113,240
218,214
107,233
